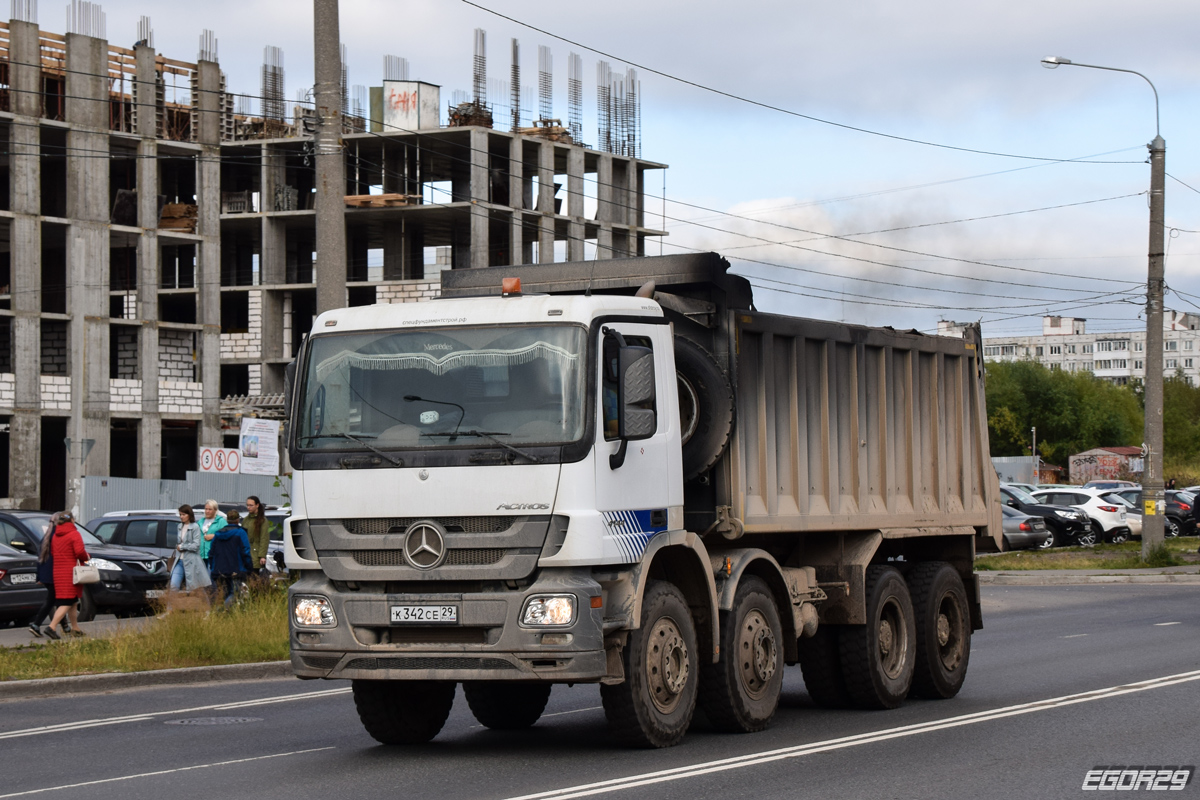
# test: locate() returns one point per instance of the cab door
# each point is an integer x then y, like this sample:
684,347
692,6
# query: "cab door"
633,493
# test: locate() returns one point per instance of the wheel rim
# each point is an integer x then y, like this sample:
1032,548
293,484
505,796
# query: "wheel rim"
668,664
1048,542
949,631
1172,528
893,639
689,408
757,653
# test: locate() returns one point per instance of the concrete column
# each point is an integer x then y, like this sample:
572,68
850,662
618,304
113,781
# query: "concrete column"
545,203
24,437
575,230
516,195
208,261
149,266
87,112
480,244
632,195
604,205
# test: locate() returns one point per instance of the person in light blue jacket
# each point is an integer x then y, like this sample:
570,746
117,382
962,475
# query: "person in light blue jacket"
189,570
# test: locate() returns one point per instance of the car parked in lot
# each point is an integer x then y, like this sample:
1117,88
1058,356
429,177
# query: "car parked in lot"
1179,521
20,593
1108,518
1023,531
1113,484
1133,514
1065,525
130,578
1028,487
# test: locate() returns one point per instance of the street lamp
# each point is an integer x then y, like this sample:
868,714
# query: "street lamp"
1152,471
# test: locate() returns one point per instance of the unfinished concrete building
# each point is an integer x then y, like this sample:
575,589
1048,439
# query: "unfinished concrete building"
157,249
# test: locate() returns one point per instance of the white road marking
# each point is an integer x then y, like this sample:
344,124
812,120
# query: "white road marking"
1073,636
752,759
162,772
96,723
1163,624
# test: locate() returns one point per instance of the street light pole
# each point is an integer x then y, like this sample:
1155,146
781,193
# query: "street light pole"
1152,470
1036,472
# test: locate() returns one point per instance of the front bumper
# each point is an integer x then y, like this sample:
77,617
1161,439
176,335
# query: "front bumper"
119,590
488,643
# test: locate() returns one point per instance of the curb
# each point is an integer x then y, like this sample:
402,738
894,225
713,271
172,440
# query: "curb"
1031,578
87,684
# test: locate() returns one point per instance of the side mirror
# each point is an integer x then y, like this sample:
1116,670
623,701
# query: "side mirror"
289,385
634,384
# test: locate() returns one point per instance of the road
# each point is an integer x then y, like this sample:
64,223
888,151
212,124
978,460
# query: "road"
1018,729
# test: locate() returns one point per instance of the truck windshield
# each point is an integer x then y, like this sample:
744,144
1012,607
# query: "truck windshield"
444,388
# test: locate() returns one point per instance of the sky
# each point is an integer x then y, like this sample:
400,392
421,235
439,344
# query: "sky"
1051,218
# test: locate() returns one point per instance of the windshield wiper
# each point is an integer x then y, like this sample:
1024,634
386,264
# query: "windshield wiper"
395,462
491,435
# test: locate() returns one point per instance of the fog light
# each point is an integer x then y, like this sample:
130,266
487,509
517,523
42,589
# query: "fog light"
557,638
555,609
312,612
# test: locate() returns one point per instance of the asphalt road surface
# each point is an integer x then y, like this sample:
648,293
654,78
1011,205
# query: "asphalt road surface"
1062,680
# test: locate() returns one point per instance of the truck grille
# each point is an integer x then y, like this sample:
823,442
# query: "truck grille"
461,557
321,662
412,662
377,526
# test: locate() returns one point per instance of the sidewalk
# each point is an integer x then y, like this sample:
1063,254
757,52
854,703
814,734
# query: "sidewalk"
105,625
1077,577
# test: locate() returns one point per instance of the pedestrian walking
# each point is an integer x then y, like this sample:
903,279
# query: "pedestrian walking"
1170,484
210,523
68,552
189,570
231,560
45,576
258,529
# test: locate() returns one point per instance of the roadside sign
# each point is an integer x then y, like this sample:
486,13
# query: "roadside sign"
220,459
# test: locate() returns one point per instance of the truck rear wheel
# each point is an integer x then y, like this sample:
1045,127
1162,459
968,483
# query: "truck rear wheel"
740,692
653,707
943,630
705,407
878,658
506,706
403,712
821,665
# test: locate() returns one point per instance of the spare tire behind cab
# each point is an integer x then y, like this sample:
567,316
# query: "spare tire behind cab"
705,407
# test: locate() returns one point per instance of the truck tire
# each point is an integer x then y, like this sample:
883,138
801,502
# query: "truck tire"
821,666
653,707
705,407
943,630
740,693
403,712
878,658
87,605
506,706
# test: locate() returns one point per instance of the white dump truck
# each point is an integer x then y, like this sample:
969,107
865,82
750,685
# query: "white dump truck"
621,473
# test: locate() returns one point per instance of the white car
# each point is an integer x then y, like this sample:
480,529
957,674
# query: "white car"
1109,519
1133,514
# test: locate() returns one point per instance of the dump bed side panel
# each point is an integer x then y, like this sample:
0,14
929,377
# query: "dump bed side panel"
843,427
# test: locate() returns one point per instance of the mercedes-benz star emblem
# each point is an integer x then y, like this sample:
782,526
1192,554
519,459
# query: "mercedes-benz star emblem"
425,544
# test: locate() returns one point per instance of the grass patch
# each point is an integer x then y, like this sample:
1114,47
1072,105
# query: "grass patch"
255,630
1127,555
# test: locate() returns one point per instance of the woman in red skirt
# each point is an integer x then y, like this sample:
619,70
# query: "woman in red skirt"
67,550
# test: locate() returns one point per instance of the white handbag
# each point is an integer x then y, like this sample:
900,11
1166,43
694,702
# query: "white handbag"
85,573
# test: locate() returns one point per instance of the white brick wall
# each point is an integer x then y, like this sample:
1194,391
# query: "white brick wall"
124,395
180,397
56,393
8,384
246,345
127,350
255,371
407,291
175,356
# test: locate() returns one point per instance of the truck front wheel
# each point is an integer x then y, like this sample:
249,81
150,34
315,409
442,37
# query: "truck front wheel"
943,621
403,712
740,692
653,707
506,706
878,658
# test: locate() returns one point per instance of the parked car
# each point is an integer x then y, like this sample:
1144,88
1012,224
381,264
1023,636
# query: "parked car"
1023,531
154,532
20,593
1027,487
1065,525
1108,518
129,578
1133,514
1179,512
1110,485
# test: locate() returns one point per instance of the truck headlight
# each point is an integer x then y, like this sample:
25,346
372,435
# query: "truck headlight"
313,612
553,609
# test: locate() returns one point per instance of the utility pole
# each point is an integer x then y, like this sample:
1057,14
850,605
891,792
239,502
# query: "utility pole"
1036,472
1152,465
330,162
